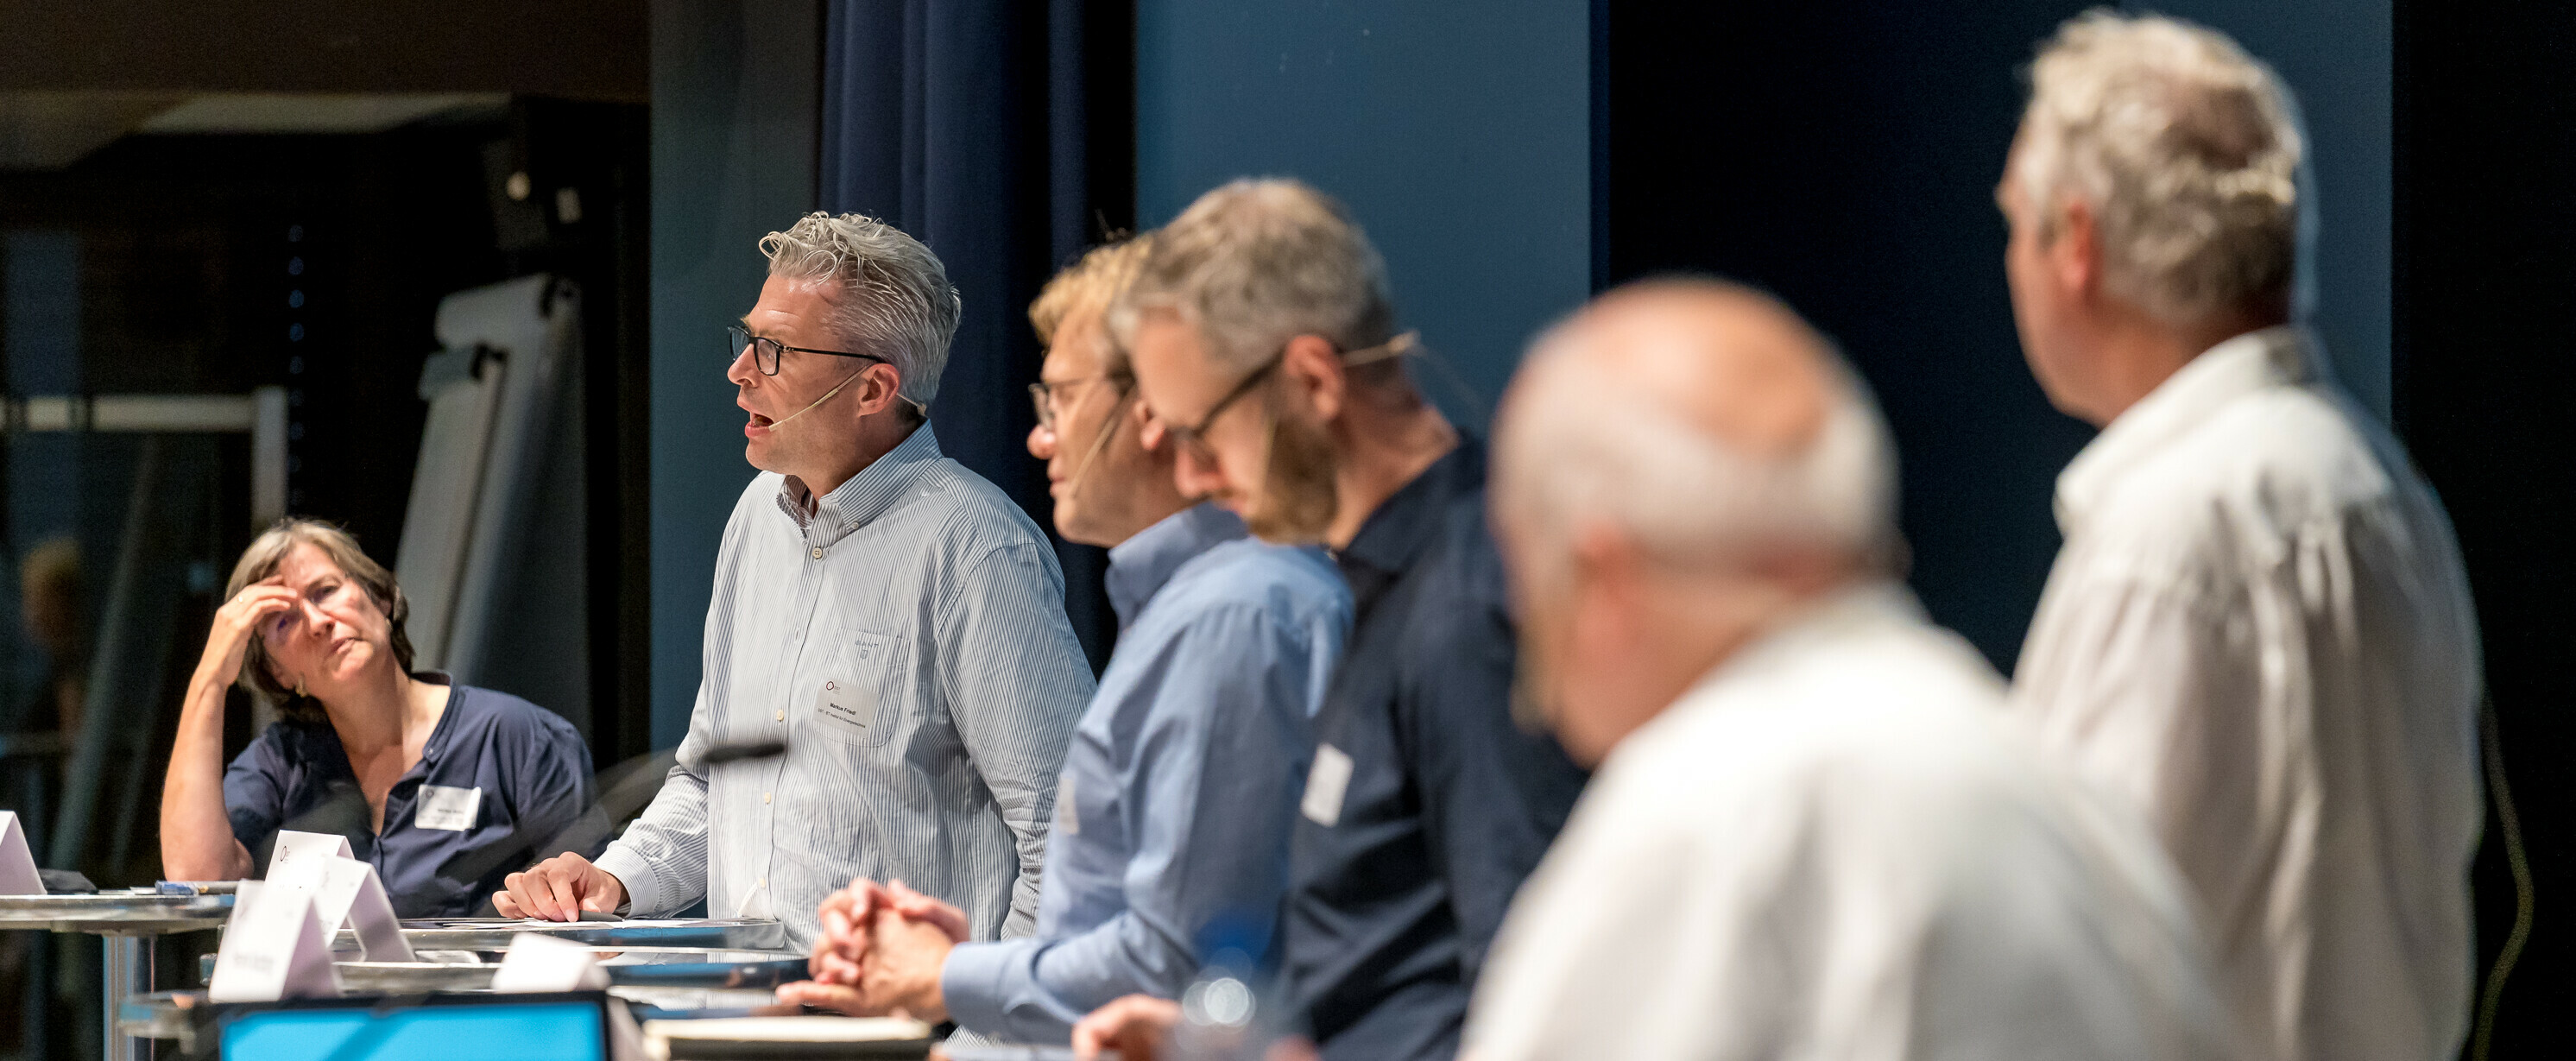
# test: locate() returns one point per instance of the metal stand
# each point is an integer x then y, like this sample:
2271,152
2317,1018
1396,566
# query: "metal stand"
126,923
126,970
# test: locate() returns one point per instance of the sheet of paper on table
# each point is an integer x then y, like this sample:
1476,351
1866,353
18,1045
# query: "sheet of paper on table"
538,924
18,874
790,1029
544,963
1014,1052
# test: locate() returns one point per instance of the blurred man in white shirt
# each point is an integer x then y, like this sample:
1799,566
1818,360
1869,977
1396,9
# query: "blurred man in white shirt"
2258,631
1812,832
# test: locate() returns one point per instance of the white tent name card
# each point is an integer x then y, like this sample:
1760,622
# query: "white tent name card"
343,891
351,893
18,874
296,871
273,949
294,847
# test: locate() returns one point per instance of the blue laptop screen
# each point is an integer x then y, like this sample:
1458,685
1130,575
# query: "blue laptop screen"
548,1031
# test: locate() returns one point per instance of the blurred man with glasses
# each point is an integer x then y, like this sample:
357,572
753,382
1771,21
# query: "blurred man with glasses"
1266,342
1172,819
891,616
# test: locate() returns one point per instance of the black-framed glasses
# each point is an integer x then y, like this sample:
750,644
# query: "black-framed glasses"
1044,394
1194,437
766,352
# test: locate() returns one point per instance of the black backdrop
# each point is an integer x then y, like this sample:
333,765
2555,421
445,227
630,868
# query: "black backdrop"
1843,154
2486,292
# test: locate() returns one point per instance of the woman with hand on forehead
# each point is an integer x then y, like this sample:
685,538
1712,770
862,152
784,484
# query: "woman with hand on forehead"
444,788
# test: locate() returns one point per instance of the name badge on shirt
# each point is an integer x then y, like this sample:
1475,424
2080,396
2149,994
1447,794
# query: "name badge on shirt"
1068,816
846,702
447,807
1325,785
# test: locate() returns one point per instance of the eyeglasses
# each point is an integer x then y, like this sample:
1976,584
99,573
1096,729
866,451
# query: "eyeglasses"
766,352
1044,395
1194,437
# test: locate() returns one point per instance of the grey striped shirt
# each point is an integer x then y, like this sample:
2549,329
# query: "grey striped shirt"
908,641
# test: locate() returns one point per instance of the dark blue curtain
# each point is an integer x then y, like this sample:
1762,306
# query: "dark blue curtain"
1000,135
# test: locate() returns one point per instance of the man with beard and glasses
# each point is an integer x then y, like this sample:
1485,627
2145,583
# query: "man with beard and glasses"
888,614
1173,813
1266,343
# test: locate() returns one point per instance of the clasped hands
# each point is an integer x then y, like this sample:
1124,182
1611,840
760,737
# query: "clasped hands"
880,953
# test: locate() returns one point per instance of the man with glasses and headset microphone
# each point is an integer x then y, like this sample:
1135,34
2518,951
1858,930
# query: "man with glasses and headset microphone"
1172,820
890,615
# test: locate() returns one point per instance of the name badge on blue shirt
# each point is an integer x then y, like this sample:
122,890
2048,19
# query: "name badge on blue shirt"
1325,786
447,807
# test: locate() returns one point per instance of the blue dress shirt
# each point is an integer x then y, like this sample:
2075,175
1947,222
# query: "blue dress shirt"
530,766
1173,812
1427,805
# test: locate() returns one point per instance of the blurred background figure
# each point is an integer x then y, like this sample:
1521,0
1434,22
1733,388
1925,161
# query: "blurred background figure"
54,615
1811,832
55,612
2258,632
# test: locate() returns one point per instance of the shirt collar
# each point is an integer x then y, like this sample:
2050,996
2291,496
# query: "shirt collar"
435,748
1396,534
2283,355
1140,566
866,495
1837,615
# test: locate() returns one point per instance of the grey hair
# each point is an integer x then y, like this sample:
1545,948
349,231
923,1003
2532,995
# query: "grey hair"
1255,263
894,298
1598,448
2188,150
265,555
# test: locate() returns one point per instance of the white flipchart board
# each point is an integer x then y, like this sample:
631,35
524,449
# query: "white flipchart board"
492,391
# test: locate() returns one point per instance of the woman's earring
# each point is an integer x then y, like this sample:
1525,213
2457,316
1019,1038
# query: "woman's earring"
299,686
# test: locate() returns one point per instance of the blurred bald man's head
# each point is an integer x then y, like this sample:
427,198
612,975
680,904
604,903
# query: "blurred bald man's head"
1678,467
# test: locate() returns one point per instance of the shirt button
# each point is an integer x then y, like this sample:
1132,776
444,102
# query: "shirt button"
763,883
818,552
764,797
782,716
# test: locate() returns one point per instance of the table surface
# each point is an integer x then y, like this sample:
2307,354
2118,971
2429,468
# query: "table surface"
396,978
115,913
495,933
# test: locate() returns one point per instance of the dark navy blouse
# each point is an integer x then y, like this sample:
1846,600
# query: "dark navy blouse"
503,778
